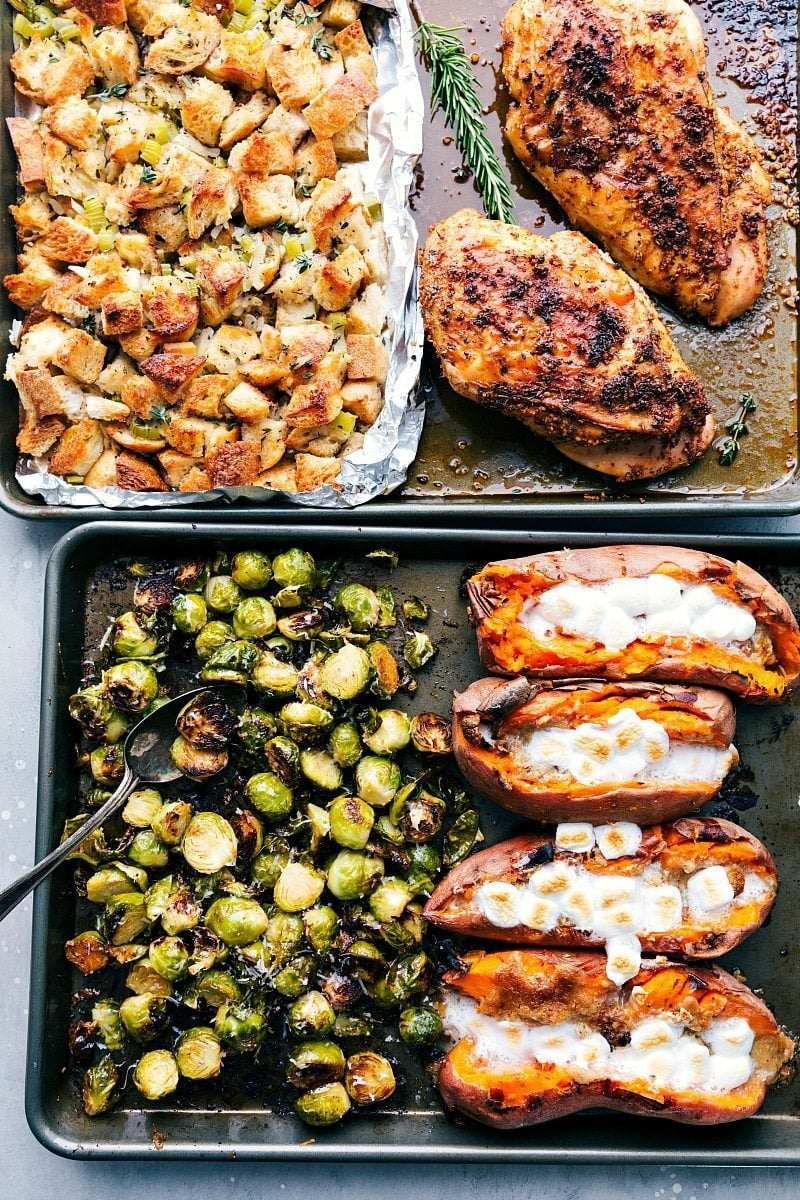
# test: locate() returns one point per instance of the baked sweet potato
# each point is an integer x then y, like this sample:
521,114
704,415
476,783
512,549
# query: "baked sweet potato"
628,612
692,1044
510,892
592,750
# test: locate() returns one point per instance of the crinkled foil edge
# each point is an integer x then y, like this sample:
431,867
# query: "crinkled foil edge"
395,144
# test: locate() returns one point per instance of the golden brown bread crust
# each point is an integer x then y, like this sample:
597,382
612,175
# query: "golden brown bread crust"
492,708
549,986
678,846
495,597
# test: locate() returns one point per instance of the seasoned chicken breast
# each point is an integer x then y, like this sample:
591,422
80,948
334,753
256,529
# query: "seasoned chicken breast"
550,331
615,115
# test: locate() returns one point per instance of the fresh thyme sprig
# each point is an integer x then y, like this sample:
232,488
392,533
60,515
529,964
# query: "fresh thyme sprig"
737,429
454,89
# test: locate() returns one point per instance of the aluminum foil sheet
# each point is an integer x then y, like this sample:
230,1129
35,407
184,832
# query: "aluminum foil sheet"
395,144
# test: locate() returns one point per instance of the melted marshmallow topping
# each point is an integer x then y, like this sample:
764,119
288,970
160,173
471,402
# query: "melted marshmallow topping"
630,609
661,1052
623,748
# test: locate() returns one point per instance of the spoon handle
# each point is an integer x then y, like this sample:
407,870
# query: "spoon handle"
11,896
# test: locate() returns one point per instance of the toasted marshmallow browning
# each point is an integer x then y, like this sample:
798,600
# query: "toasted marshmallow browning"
662,1052
649,608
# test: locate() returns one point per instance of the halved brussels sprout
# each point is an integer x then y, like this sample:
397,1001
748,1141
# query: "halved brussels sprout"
415,609
143,1015
297,887
352,874
348,1025
130,685
222,593
211,637
196,763
133,636
387,618
314,1063
266,868
369,1078
107,763
311,1013
377,780
191,575
153,591
269,795
431,734
409,975
148,850
171,820
189,612
305,722
324,1105
294,568
302,626
251,569
144,979
283,759
209,843
273,676
345,744
114,880
198,1053
351,820
169,956
386,671
346,672
391,734
320,924
236,920
319,825
293,979
156,1074
100,1086
239,1026
231,663
125,918
359,606
218,987
105,1014
419,815
321,769
181,912
420,1026
389,899
249,832
254,618
87,952
158,894
207,721
141,807
284,935
418,650
256,727
96,715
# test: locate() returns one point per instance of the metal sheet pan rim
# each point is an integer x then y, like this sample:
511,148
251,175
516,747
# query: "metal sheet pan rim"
556,1150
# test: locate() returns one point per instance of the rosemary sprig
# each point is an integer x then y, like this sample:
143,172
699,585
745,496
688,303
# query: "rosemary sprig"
454,89
737,429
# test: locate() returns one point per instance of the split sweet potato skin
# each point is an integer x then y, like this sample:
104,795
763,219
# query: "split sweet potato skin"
496,595
496,703
692,840
547,986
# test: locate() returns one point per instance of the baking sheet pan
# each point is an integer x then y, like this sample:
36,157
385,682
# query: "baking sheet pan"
470,461
79,592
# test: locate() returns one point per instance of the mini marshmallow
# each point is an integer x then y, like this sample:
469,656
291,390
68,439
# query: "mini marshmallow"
551,878
575,836
653,1033
498,903
619,839
624,954
535,911
731,1036
708,890
727,1073
663,908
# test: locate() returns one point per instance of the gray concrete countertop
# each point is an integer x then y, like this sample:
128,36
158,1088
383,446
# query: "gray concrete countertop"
31,1173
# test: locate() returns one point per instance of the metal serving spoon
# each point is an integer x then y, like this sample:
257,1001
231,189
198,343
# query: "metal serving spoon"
147,760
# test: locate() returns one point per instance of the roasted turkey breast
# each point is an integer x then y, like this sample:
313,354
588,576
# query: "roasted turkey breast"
615,115
550,331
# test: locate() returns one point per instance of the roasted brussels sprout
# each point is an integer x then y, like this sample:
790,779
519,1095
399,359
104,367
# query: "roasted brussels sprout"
211,637
346,672
189,612
171,821
143,979
198,1053
352,874
391,734
142,805
377,780
389,899
240,1026
130,685
110,1030
301,626
284,935
209,843
294,569
298,886
320,925
156,1074
283,759
266,868
231,663
415,609
369,1078
256,727
125,918
107,763
222,593
269,795
254,617
132,636
419,815
420,1026
169,956
87,952
311,1014
249,831
143,1015
207,721
324,1105
387,618
114,880
191,575
345,744
196,763
251,569
273,676
409,976
100,1086
314,1063
148,850
351,820
305,722
236,920
319,826
386,679
321,769
180,912
218,987
418,650
295,978
359,606
461,836
431,734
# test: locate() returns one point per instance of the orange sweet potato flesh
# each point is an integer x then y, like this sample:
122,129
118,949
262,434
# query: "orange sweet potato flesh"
492,710
549,986
498,593
678,848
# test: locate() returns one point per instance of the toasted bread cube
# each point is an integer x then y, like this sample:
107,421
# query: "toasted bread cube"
29,288
185,38
340,279
81,356
140,394
204,396
356,51
218,434
122,313
205,108
103,12
280,478
165,227
245,119
294,314
351,144
234,465
262,373
293,124
37,437
78,448
176,466
363,398
196,480
170,308
114,55
136,250
172,371
305,345
340,13
271,437
103,408
32,217
312,472
68,241
247,403
29,148
127,128
48,71
266,152
136,474
37,395
368,313
265,201
188,435
297,279
340,104
330,203
73,120
220,275
139,12
212,201
368,357
295,75
234,62
103,473
319,401
265,260
230,347
354,229
112,376
140,345
315,160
